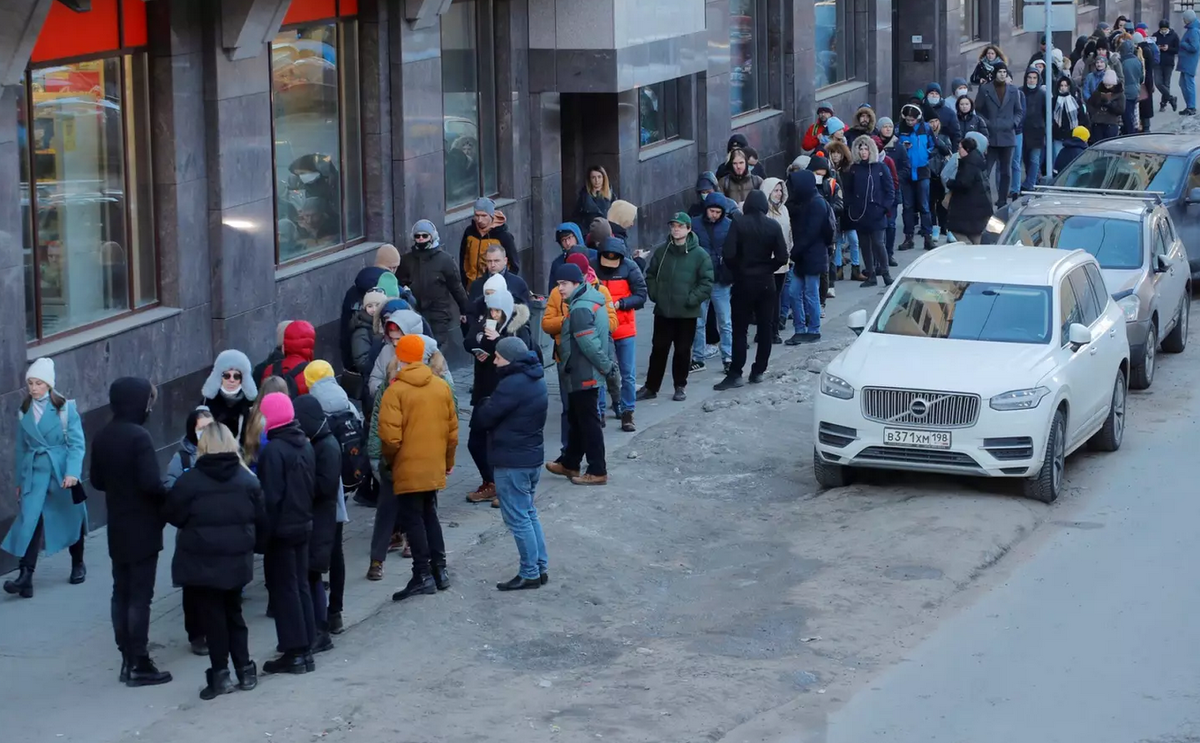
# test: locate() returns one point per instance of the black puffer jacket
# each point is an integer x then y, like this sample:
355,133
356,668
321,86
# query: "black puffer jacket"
287,471
327,454
231,413
217,506
812,225
755,247
125,468
434,280
970,203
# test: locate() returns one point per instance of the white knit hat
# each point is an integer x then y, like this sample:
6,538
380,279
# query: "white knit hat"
42,369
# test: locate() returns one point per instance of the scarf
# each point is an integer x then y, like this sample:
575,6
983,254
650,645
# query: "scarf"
1066,111
38,407
231,395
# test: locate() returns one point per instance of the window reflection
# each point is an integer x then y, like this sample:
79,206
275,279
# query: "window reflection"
748,55
308,90
658,112
834,38
468,103
87,217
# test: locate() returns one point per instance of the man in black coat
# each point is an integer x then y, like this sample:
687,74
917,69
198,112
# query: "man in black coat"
125,468
813,232
287,471
431,274
753,252
327,454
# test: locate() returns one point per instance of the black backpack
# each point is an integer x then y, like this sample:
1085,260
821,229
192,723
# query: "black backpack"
276,370
348,430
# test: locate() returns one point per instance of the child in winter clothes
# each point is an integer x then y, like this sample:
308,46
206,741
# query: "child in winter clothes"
185,456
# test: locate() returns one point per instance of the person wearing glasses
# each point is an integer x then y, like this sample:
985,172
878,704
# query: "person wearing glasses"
432,275
230,391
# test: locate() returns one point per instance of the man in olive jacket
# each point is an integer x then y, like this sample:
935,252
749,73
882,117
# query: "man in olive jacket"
679,279
586,362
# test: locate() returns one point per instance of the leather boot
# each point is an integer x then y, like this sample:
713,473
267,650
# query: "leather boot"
143,672
23,585
421,583
78,573
289,662
123,676
441,576
218,683
627,422
336,625
323,642
856,274
247,676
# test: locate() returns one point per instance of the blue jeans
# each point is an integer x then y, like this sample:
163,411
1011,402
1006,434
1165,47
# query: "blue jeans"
1015,183
848,237
1033,168
1055,149
916,204
1129,120
720,298
515,488
805,292
1187,86
627,360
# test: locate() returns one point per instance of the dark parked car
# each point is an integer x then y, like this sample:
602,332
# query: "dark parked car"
1165,163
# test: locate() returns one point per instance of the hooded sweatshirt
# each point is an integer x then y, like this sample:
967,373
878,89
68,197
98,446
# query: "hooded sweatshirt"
779,212
712,235
626,286
812,224
755,247
1034,129
561,258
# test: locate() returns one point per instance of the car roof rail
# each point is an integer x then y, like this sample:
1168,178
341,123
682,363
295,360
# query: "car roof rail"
1155,196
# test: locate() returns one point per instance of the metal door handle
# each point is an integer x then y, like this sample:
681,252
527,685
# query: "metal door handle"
1112,332
1093,350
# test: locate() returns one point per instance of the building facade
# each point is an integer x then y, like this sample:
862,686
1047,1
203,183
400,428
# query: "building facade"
177,176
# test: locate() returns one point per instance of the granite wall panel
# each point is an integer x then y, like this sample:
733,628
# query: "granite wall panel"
181,217
240,150
419,187
242,258
177,118
316,295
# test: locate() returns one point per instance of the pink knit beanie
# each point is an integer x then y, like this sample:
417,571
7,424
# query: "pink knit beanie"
277,409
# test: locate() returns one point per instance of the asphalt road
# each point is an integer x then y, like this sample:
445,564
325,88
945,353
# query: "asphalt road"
1093,639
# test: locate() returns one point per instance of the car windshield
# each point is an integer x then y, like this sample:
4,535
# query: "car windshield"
1124,171
967,310
1116,243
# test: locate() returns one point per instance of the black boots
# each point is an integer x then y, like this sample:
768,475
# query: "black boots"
123,676
421,583
247,676
336,627
729,382
199,646
324,642
143,672
290,662
441,577
23,585
218,683
78,573
519,584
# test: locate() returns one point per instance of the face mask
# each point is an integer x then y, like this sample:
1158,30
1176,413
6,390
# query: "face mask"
232,393
307,178
820,178
933,99
961,92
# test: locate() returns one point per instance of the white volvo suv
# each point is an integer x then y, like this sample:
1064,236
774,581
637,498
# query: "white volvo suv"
993,361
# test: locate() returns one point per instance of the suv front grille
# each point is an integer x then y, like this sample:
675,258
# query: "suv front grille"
882,454
1009,448
924,408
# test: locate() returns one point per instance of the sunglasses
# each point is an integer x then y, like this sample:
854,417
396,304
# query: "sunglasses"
421,236
233,376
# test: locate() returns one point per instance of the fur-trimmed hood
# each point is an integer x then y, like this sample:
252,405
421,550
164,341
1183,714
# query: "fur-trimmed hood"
230,359
866,109
520,317
870,142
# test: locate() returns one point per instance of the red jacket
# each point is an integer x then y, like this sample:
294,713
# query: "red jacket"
299,344
811,140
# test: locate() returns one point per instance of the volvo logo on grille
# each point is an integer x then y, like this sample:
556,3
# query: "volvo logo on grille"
919,408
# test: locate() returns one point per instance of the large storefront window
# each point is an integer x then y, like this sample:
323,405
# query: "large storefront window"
658,112
835,41
87,217
469,102
318,138
748,55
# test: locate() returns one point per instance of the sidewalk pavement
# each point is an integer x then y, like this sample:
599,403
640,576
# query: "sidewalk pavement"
58,661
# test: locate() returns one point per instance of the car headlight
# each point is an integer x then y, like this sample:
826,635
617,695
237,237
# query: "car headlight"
1130,306
1019,399
995,225
836,387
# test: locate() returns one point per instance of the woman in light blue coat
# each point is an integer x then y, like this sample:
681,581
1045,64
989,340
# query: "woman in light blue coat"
49,460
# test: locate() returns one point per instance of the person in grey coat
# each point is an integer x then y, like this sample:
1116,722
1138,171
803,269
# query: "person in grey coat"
1003,106
1133,72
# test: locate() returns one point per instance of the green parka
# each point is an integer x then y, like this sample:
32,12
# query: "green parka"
679,278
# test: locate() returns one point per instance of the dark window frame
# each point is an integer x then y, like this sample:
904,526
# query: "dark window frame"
122,54
761,59
486,68
668,111
345,244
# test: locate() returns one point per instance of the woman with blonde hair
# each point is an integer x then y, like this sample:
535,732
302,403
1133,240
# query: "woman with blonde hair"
255,435
218,508
595,198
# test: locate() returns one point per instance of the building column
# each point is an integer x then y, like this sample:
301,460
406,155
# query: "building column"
545,137
418,164
376,97
512,122
241,209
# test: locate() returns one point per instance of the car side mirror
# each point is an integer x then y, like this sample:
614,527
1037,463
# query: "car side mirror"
1193,196
857,321
1078,335
1160,264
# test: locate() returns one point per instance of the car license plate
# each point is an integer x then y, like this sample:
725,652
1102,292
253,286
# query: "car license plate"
916,439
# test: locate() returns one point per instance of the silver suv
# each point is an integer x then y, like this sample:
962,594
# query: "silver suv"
1144,263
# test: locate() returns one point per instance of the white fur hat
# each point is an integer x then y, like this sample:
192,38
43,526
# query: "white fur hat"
230,359
42,369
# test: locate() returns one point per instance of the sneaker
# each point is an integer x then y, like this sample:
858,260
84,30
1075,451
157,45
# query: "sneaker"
822,313
590,479
375,572
868,283
679,395
795,340
831,293
710,351
645,394
697,366
1174,103
811,337
776,340
888,281
729,383
725,367
557,468
892,262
